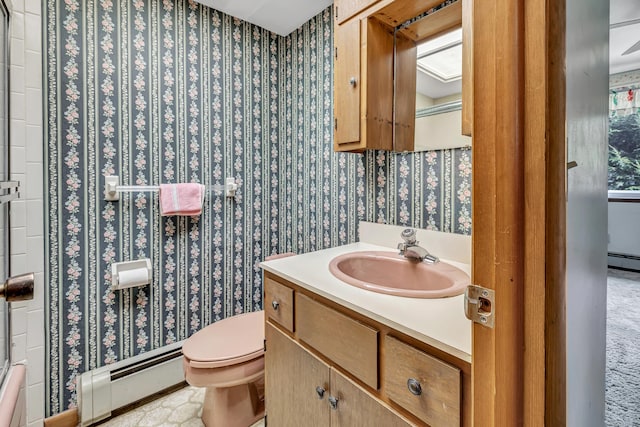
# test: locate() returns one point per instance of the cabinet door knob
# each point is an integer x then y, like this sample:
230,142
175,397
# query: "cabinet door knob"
320,392
414,386
333,402
275,305
352,81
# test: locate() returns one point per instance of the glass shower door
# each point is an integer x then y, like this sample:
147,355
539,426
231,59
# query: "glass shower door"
5,338
16,288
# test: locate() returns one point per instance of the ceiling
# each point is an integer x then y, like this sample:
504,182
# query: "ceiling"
278,16
284,16
624,21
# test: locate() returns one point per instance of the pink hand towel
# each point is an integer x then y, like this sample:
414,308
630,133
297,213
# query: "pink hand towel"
181,199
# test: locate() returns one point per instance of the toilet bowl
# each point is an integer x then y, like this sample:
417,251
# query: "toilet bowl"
227,357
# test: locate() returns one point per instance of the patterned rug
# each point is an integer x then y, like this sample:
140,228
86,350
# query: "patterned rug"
623,349
181,408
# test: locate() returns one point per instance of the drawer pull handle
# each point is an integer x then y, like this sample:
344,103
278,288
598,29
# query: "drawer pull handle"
333,402
414,386
275,305
320,392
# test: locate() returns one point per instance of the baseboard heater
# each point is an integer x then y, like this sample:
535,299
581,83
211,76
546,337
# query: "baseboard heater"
108,388
624,261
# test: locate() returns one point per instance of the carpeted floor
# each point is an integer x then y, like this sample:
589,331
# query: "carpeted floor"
623,349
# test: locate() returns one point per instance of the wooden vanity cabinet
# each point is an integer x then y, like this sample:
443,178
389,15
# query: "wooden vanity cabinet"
309,392
340,368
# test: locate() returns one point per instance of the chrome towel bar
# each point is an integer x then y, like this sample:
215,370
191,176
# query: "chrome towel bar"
112,188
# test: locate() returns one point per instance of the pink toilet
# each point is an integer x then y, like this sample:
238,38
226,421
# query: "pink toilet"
227,357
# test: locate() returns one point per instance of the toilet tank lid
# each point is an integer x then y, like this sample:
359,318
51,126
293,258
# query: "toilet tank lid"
227,340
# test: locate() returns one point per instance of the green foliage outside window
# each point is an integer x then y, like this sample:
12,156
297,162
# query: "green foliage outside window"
624,152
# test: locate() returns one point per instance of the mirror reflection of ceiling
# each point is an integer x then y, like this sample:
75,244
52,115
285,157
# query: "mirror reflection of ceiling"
624,35
439,66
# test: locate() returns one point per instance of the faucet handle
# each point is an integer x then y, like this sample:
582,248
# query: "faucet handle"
408,235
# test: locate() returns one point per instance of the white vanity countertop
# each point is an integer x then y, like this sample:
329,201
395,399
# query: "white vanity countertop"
440,323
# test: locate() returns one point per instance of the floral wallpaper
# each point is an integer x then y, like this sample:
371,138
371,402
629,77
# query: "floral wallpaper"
161,91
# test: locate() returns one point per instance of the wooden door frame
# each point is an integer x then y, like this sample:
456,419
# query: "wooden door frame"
519,212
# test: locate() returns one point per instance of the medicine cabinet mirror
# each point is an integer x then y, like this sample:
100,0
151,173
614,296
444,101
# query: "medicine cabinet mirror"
428,84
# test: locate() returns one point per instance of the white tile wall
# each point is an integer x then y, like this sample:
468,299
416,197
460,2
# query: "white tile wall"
27,244
19,213
18,159
19,320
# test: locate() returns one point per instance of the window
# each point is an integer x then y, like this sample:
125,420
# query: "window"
624,142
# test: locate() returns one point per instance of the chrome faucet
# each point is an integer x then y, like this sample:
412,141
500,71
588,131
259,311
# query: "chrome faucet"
410,249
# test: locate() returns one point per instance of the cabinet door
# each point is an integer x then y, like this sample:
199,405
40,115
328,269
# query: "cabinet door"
405,82
355,407
363,86
467,67
291,377
345,9
346,84
377,84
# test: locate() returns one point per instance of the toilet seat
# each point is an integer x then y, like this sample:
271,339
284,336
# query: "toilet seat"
231,341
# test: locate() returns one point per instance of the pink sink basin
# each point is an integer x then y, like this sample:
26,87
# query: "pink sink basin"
390,273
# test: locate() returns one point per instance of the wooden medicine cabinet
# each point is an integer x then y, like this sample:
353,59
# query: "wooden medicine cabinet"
367,63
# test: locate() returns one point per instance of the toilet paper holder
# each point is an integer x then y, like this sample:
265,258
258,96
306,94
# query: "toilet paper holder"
128,274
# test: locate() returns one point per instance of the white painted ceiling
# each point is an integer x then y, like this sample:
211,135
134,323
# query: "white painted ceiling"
624,21
278,16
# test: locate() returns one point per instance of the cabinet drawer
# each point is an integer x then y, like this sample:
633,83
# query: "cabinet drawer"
278,303
424,385
347,342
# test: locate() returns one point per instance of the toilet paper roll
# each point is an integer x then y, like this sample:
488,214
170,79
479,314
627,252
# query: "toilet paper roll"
131,278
